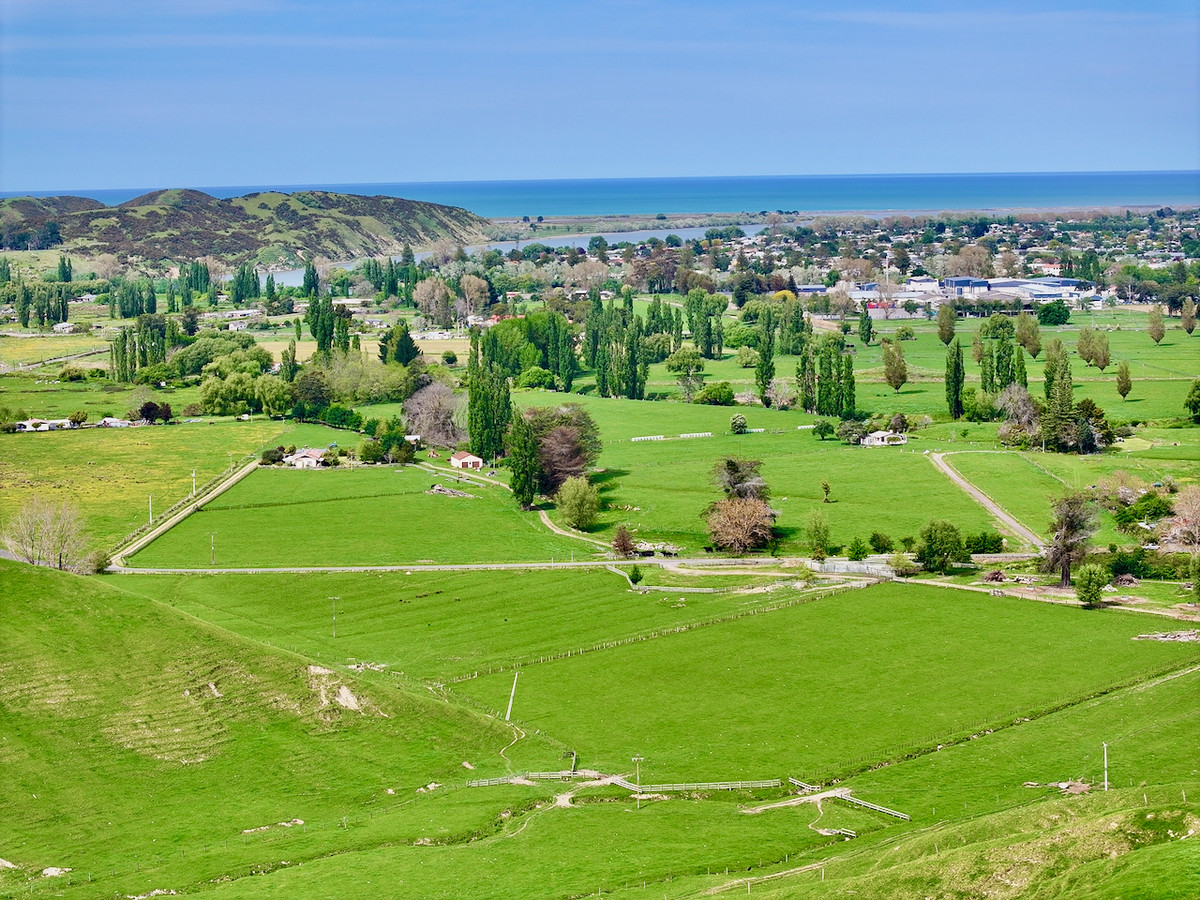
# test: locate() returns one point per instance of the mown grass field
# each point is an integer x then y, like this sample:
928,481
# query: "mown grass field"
814,690
109,474
361,516
845,678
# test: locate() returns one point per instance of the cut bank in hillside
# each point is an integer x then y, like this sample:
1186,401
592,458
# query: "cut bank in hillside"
270,229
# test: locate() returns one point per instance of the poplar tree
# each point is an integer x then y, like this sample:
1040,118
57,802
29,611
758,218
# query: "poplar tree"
764,372
865,328
955,377
895,369
1124,380
946,318
1019,375
848,390
523,461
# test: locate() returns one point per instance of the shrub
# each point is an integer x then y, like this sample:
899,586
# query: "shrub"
635,575
578,501
902,565
719,394
72,373
747,357
740,524
737,423
272,456
450,358
857,549
984,542
880,543
1089,584
536,377
823,428
193,409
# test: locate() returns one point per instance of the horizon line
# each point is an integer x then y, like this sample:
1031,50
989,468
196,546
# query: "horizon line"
287,188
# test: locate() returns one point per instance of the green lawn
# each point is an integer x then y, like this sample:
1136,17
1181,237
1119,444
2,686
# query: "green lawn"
361,516
820,688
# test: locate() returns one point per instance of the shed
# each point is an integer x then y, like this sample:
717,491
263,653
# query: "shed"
464,460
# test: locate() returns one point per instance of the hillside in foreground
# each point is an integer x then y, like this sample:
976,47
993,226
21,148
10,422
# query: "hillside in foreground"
266,228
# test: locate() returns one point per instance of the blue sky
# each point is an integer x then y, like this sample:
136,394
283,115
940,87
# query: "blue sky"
157,93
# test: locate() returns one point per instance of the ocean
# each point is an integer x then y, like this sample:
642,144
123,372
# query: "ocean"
788,193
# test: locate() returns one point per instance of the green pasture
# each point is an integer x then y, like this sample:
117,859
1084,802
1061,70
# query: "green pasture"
356,516
140,746
34,349
660,489
821,688
438,625
109,474
44,396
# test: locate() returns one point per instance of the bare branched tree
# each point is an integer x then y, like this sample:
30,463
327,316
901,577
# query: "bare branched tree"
740,524
46,534
1073,525
432,412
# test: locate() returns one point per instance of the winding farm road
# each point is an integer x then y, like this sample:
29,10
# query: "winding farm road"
987,502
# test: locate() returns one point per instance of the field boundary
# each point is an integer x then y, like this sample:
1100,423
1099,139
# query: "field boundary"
1019,528
148,533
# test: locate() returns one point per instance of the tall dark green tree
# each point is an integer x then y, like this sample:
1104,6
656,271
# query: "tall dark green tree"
764,371
312,282
523,461
489,410
865,328
955,378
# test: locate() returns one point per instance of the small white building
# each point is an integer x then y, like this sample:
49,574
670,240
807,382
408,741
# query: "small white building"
464,460
305,458
884,439
63,328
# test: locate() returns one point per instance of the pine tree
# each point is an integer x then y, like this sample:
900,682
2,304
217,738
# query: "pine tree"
312,282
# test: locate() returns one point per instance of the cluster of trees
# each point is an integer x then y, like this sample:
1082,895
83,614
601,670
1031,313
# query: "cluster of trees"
825,376
618,344
42,533
742,520
142,349
549,447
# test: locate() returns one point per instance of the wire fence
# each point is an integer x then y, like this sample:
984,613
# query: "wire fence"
201,494
808,597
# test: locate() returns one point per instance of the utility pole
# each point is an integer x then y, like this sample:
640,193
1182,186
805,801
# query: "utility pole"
335,600
193,482
512,694
1106,767
212,546
637,762
151,509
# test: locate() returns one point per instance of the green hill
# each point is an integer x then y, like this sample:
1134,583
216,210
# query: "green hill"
269,228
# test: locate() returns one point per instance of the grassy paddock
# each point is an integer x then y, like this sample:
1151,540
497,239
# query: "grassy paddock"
361,516
439,625
110,473
819,688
